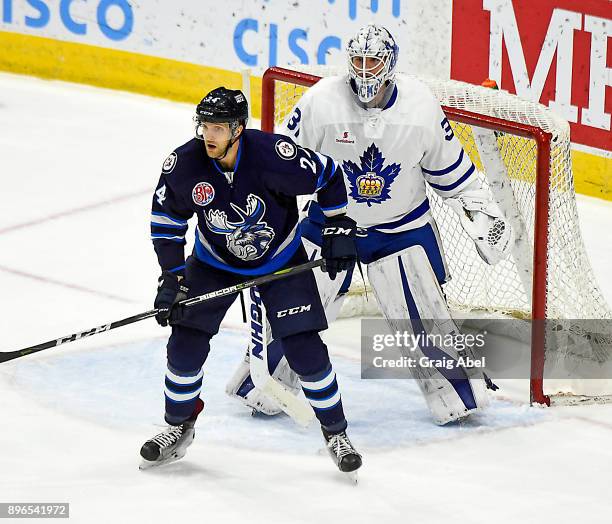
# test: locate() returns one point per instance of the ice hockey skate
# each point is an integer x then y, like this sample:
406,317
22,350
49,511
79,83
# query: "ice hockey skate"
169,445
343,453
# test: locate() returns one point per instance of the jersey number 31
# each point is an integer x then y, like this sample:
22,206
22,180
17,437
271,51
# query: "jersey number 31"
294,122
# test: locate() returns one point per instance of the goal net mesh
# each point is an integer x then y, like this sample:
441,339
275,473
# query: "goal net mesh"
572,291
522,152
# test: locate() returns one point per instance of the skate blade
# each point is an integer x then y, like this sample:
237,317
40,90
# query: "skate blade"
353,477
149,464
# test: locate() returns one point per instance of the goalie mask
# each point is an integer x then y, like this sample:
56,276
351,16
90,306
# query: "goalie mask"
372,56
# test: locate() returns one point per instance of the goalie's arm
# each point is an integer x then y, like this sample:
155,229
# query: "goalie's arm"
446,166
484,222
448,169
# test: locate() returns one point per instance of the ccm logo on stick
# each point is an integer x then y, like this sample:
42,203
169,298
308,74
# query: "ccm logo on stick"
293,311
83,334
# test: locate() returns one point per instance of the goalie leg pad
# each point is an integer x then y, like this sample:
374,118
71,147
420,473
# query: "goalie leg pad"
407,289
241,386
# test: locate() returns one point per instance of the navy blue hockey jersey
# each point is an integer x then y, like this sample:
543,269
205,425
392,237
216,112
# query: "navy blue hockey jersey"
248,218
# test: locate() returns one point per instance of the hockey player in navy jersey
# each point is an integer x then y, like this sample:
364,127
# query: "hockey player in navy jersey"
242,184
393,140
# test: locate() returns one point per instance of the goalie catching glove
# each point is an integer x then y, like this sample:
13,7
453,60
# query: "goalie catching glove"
338,246
484,222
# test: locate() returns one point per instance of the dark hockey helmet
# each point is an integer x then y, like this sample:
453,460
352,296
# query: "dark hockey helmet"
221,106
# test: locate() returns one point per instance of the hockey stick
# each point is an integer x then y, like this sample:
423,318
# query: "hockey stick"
291,404
11,355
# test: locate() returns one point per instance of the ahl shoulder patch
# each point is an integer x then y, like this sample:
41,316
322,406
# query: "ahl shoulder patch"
169,163
286,150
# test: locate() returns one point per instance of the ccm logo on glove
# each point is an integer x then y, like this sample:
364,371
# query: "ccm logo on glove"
337,231
293,311
338,244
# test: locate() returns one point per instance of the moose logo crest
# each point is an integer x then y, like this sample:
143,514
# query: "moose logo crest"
248,239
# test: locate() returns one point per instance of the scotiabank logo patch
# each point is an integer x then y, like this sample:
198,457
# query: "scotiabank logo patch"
557,52
345,139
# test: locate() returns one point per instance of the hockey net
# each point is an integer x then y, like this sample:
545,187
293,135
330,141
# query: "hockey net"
522,150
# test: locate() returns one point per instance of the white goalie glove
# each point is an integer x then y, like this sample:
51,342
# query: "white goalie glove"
484,222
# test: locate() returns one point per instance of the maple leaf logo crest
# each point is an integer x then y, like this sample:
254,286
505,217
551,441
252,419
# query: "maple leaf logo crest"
370,182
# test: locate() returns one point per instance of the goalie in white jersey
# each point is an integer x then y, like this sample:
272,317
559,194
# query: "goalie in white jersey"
392,138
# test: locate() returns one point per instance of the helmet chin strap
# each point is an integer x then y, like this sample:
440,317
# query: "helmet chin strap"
232,141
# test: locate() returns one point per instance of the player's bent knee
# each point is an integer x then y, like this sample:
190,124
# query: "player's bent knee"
188,348
306,352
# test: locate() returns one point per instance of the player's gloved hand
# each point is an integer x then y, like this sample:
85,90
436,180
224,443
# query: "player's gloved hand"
171,289
338,248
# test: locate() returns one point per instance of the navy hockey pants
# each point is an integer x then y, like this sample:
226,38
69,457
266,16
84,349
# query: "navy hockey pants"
189,344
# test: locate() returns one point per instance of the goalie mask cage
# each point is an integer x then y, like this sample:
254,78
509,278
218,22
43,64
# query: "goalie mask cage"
522,150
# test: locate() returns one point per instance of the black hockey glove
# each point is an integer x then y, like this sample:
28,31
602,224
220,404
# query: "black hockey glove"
170,290
338,247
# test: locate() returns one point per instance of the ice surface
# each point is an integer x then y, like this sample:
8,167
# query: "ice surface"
78,165
129,380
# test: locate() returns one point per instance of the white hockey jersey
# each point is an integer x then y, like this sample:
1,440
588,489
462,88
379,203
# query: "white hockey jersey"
387,155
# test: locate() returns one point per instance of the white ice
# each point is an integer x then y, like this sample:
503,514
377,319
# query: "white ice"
77,167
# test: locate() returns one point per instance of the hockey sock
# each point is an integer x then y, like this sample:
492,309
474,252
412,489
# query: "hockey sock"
182,393
321,390
308,357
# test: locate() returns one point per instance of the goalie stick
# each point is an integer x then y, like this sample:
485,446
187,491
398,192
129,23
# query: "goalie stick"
11,355
294,406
